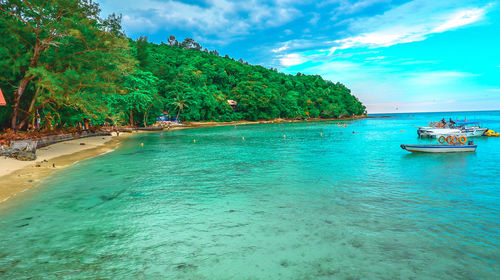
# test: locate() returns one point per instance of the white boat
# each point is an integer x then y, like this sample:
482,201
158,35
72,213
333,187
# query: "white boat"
460,129
439,148
433,132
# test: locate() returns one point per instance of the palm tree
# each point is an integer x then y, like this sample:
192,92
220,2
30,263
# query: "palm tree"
180,104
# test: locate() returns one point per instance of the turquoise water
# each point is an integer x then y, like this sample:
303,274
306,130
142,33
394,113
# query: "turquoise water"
339,206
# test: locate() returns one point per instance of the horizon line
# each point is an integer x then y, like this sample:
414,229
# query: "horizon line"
417,112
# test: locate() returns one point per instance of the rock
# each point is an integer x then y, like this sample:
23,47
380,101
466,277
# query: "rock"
82,144
26,156
24,145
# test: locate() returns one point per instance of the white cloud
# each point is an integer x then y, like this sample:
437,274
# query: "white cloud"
459,19
291,59
348,7
285,47
413,21
375,58
315,18
220,18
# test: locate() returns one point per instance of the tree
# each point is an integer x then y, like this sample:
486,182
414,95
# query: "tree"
139,94
172,41
189,43
142,47
58,40
180,104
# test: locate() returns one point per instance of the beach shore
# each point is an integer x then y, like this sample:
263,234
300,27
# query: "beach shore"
18,176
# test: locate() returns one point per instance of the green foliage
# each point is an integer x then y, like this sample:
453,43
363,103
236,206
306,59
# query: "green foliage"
204,81
59,59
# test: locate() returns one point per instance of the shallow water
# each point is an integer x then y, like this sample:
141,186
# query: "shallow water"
339,206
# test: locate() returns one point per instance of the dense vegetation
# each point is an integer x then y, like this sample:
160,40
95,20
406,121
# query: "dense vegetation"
61,63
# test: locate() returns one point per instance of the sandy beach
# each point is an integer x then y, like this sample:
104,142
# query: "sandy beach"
17,176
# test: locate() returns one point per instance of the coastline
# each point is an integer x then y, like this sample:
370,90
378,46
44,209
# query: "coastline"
190,125
18,176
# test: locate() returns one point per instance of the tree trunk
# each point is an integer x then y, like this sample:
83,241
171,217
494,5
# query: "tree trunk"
30,110
146,115
178,113
17,100
131,117
23,84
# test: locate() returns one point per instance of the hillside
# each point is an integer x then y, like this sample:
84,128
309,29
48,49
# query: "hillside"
66,65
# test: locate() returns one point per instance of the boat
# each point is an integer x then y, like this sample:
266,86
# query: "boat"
439,148
467,129
456,144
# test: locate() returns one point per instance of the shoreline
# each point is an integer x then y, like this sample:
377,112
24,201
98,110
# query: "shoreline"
189,125
18,176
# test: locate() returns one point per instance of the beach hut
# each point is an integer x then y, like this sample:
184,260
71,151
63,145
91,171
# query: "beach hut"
2,99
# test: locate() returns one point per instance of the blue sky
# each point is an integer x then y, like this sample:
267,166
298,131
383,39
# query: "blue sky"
396,56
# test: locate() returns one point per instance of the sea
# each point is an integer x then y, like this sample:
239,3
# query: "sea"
308,200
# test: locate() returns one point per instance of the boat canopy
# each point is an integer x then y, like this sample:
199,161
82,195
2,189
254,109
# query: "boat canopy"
465,123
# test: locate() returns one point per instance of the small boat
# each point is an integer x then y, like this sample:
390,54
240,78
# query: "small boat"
440,148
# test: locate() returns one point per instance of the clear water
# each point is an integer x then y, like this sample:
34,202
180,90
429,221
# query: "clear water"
337,206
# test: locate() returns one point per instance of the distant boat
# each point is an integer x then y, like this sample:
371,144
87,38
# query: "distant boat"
440,148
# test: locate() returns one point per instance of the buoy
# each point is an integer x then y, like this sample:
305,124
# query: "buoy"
194,140
142,144
242,138
321,133
353,132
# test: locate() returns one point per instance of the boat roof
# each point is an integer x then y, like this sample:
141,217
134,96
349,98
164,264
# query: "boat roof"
465,123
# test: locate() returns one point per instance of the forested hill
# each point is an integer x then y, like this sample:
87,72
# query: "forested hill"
204,82
62,64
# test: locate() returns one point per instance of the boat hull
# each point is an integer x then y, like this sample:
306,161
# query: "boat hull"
439,148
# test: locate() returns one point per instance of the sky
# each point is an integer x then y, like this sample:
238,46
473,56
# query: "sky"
395,56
